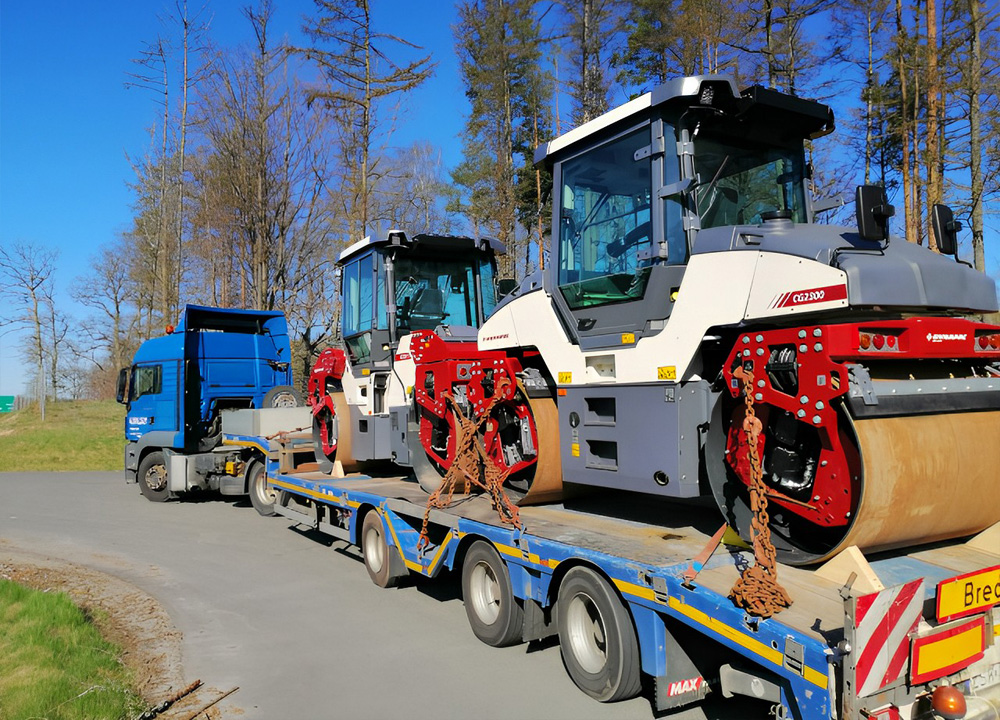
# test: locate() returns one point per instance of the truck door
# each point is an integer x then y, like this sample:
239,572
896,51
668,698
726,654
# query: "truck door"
152,399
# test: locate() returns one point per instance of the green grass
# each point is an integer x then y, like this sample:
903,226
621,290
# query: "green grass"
54,663
76,435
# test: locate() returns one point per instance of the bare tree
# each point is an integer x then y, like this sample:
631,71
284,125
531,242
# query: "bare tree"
109,334
27,273
360,73
261,187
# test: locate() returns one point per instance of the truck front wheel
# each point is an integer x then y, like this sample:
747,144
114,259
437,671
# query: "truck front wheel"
152,477
494,614
596,637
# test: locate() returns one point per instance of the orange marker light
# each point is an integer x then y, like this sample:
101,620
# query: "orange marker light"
948,702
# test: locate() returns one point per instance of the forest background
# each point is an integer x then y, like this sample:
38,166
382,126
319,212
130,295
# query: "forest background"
153,155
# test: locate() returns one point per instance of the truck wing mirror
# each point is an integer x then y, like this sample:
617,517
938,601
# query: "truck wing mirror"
945,228
873,212
122,385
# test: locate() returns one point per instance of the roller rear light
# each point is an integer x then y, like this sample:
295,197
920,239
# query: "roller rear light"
878,342
988,342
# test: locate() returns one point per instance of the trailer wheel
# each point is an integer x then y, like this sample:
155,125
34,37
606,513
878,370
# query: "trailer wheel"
283,396
377,552
153,477
596,637
494,613
262,496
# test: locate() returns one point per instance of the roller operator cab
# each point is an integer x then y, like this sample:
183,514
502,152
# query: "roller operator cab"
179,385
392,287
687,276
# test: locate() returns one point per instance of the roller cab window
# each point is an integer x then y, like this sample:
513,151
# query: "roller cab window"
364,307
431,292
743,183
608,239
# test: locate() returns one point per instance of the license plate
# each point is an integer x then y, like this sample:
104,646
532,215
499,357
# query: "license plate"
968,594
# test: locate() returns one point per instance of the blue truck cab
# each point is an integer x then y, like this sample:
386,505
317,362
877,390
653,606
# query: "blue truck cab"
178,386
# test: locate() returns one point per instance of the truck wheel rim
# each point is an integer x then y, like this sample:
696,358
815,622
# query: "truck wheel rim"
265,493
285,399
586,633
485,593
156,478
374,552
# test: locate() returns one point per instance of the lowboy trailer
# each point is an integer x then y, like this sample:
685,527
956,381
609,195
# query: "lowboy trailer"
905,634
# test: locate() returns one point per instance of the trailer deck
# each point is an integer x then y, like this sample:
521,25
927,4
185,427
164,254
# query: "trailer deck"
792,659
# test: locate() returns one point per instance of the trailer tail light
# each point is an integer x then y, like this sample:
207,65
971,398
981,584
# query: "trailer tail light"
890,712
948,702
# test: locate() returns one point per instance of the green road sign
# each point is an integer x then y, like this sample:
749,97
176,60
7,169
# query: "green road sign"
6,403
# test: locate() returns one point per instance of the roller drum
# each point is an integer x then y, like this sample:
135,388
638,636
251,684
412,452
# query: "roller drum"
925,478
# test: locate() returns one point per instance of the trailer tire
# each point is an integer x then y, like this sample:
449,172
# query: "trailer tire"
283,396
152,476
262,497
377,553
494,614
596,637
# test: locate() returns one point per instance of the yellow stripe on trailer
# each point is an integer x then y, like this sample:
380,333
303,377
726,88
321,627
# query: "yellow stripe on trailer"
755,646
415,566
245,443
325,496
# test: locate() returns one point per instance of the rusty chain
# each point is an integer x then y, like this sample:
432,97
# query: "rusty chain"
757,590
472,466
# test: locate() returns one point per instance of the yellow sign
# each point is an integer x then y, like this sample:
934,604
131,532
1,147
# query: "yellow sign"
968,594
565,378
575,449
667,372
628,338
366,371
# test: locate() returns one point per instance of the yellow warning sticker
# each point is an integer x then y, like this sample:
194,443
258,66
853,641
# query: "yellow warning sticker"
666,372
628,338
366,371
575,449
565,378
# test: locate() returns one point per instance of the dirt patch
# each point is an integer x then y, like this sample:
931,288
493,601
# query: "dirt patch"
126,616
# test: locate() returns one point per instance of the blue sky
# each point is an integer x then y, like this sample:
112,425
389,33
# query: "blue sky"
67,120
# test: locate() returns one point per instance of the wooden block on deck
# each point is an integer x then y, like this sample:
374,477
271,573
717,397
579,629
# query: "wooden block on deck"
988,541
839,568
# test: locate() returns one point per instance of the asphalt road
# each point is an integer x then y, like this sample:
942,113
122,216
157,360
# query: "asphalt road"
290,618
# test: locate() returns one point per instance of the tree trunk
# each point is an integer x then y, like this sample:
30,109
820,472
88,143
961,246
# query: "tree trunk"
975,135
933,148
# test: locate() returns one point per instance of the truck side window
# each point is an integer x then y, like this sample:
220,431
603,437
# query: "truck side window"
146,380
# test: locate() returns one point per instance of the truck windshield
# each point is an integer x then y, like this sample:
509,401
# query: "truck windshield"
738,181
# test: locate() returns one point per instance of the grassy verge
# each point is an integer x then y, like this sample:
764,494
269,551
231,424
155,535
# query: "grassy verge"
54,663
76,435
